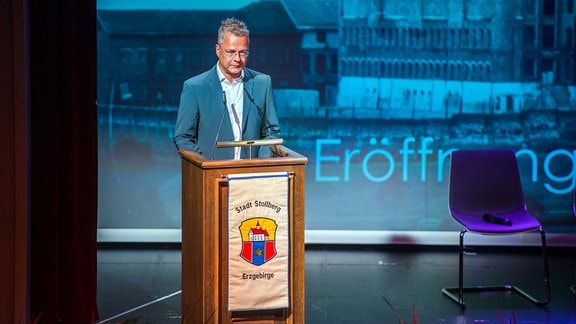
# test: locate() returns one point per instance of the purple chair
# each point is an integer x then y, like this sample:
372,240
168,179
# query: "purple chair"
486,197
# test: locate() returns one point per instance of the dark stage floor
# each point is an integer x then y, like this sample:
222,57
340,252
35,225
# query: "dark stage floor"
141,284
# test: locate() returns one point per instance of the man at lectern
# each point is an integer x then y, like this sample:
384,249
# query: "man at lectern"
229,102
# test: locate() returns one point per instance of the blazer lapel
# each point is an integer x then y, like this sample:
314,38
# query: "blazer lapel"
226,133
214,83
249,85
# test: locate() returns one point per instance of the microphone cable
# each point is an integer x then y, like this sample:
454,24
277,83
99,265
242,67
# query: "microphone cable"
219,126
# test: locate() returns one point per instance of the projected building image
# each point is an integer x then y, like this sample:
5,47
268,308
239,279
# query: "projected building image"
375,93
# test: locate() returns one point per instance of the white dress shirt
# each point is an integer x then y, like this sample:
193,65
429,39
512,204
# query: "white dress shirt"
235,105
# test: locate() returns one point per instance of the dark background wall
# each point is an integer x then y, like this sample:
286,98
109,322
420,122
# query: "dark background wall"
48,165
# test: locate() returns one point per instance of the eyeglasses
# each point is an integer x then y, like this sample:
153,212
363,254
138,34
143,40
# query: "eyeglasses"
232,53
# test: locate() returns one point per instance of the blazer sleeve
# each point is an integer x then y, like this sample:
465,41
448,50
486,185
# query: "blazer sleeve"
186,129
271,125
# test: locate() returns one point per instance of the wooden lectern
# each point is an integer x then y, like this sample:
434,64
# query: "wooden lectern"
205,237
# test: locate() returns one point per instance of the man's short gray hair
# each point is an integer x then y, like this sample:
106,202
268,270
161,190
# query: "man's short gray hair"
233,26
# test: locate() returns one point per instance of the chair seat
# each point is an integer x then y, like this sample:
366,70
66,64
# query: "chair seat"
520,221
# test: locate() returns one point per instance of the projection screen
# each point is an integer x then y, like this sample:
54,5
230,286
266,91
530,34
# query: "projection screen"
375,93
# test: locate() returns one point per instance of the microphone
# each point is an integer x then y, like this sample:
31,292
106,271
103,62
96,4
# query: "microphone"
260,113
258,108
491,218
219,126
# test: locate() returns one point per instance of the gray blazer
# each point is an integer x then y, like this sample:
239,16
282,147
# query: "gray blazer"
202,109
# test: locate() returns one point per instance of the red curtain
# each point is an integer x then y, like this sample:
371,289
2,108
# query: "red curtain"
64,173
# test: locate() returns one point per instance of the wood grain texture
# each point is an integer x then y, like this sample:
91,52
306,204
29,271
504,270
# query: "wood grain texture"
205,237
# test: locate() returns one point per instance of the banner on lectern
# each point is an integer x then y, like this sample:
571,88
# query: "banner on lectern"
258,241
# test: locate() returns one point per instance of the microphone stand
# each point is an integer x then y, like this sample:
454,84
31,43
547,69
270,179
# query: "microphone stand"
219,126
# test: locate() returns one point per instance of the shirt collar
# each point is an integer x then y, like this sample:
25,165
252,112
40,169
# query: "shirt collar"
223,79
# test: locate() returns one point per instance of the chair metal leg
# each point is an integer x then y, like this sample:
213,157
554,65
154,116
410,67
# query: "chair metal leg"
546,269
573,288
457,293
449,291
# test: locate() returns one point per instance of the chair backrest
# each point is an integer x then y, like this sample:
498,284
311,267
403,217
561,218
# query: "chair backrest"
485,181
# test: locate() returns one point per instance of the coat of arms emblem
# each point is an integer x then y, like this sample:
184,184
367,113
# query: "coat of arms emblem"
258,240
